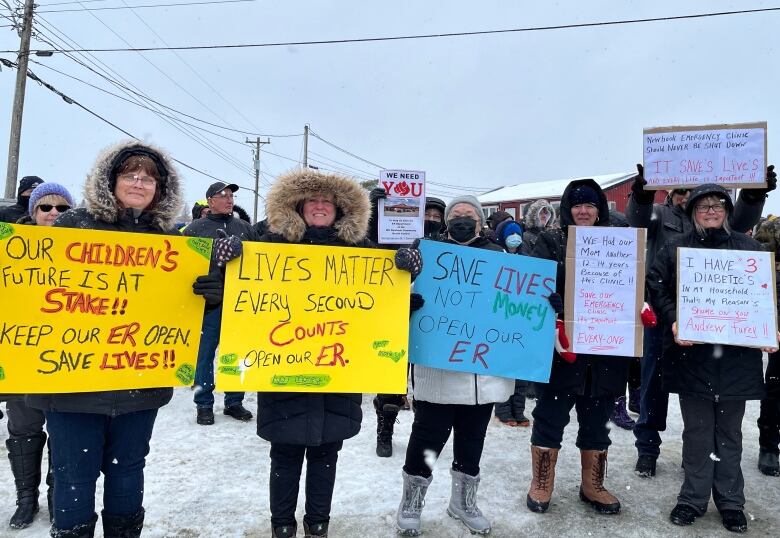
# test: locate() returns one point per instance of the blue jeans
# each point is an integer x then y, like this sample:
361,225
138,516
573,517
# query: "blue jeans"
85,444
653,400
204,370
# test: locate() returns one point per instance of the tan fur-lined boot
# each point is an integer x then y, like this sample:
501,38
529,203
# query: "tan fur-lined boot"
543,462
592,490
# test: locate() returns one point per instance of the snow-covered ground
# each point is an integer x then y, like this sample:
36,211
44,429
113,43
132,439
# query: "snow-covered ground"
212,481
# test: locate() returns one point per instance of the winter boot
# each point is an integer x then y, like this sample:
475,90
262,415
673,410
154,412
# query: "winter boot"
592,490
284,531
645,466
83,530
633,400
25,454
385,422
315,530
123,526
543,462
463,503
409,512
620,416
768,463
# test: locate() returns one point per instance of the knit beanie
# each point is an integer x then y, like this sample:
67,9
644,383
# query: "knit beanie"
583,195
46,189
28,182
465,199
507,228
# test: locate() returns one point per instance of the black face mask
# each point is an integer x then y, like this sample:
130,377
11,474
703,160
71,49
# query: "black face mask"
432,228
462,229
23,201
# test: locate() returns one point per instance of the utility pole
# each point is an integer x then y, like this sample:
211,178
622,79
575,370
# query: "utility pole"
18,106
305,146
257,142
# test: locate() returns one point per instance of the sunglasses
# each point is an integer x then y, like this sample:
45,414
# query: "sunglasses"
48,207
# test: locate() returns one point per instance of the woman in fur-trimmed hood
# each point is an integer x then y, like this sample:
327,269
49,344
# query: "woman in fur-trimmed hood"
133,187
284,209
310,207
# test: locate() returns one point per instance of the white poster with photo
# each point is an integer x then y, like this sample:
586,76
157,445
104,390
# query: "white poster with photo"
730,155
401,214
605,276
726,297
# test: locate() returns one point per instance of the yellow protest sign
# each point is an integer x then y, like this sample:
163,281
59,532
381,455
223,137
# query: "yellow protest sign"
88,310
303,318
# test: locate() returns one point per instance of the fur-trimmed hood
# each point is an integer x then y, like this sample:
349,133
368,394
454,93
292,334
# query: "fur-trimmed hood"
99,198
353,208
531,218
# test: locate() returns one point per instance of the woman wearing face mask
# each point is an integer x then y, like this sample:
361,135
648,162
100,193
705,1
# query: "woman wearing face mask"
539,216
713,381
589,383
26,438
447,401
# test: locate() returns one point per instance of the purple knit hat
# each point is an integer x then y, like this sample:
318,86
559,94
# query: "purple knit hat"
47,189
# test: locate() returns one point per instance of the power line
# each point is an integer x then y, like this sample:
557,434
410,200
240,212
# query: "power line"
144,6
331,144
434,36
341,163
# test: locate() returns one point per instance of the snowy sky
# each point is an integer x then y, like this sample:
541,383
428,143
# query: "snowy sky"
476,112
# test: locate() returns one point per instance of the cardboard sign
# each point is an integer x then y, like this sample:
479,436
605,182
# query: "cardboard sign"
729,155
485,312
605,283
303,318
87,310
402,213
726,297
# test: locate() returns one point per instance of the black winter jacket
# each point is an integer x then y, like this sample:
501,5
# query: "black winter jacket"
102,212
589,375
711,371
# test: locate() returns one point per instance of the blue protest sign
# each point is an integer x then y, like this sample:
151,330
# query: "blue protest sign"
485,312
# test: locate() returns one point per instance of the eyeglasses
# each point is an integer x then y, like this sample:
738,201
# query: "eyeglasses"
716,208
130,179
48,207
223,194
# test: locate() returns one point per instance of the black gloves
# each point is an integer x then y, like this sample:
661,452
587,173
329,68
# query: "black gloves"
376,194
641,196
225,248
756,196
416,302
211,287
556,303
409,259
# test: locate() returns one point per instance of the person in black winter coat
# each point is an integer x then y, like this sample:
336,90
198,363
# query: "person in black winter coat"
713,380
15,212
313,208
133,187
589,383
665,222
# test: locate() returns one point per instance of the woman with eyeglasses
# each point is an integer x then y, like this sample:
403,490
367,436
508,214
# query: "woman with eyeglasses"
713,381
26,438
133,187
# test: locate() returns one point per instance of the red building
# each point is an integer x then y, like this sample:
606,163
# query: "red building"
514,198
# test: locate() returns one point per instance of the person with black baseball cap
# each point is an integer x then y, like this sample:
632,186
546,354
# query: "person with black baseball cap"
220,222
14,212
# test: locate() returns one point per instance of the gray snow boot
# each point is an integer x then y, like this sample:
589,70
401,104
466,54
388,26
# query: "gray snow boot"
408,517
463,503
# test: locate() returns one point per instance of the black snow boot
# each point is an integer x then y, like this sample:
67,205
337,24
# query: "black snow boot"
385,421
84,530
25,454
123,526
315,530
284,531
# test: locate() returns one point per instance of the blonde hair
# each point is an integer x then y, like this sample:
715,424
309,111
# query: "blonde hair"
51,199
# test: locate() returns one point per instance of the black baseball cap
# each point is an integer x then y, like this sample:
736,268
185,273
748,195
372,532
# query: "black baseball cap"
220,186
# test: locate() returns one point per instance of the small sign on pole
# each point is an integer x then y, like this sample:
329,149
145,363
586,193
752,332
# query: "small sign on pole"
402,212
732,155
726,297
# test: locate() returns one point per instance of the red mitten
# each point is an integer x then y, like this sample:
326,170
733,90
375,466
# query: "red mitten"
648,316
562,342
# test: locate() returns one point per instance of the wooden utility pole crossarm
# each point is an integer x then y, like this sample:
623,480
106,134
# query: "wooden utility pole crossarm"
18,107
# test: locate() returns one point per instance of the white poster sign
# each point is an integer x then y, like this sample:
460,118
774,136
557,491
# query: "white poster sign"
605,282
726,297
729,155
402,213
